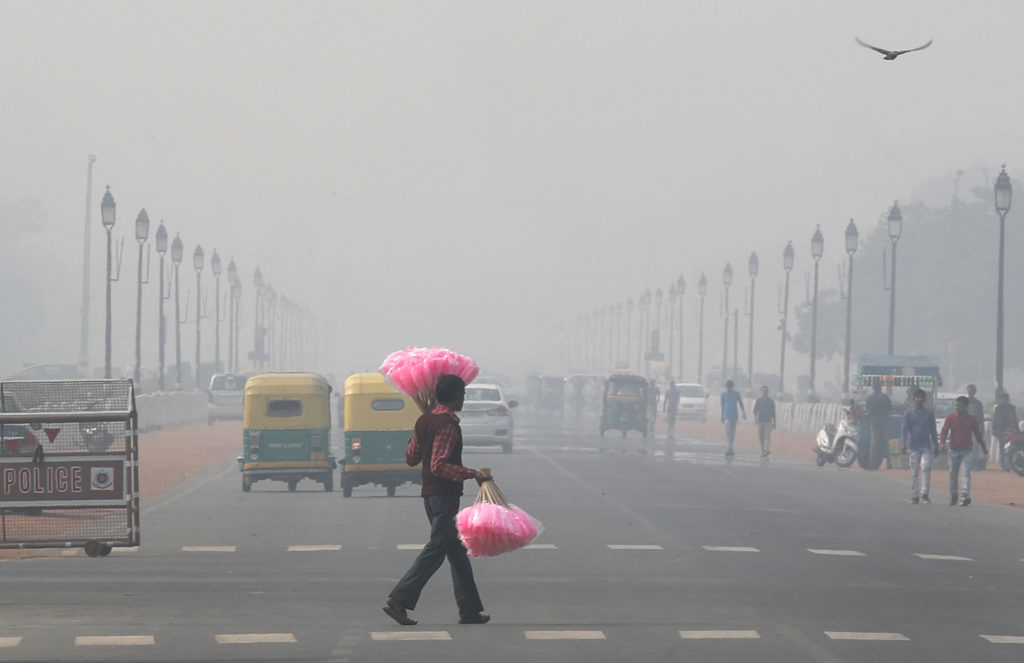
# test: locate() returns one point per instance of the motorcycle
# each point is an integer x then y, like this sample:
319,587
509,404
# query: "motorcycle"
1012,457
838,444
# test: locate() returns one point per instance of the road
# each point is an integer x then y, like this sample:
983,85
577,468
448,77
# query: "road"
651,551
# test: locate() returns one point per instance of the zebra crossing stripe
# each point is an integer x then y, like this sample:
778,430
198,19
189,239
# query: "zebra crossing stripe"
540,546
633,546
948,558
410,635
719,635
253,638
208,549
853,635
1005,639
730,549
113,640
313,548
410,546
565,635
10,641
837,553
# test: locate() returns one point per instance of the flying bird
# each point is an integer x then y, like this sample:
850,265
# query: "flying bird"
892,55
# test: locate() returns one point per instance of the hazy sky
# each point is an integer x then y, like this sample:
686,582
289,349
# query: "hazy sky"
472,173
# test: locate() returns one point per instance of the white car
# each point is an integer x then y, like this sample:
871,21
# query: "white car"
226,392
693,402
487,417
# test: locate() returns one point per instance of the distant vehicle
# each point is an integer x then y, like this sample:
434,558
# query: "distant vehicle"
693,402
487,417
225,401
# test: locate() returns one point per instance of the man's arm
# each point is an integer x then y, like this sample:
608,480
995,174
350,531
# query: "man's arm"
946,426
904,433
444,440
739,401
933,434
412,451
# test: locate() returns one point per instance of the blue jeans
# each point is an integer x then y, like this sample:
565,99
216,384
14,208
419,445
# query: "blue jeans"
960,462
920,471
730,433
444,543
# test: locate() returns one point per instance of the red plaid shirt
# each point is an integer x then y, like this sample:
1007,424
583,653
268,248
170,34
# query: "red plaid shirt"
444,441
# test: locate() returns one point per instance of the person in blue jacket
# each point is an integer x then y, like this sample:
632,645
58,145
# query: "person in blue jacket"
919,436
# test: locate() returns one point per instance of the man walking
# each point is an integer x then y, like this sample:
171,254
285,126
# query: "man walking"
1004,418
437,441
732,405
976,408
879,408
671,408
919,435
764,414
961,426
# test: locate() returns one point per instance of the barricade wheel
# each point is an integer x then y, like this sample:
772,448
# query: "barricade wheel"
93,548
292,485
106,549
246,484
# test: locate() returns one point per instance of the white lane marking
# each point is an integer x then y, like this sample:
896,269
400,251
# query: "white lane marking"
410,635
565,635
633,546
253,638
1005,639
730,549
113,640
837,553
719,635
410,546
853,635
948,558
10,641
208,549
540,546
313,548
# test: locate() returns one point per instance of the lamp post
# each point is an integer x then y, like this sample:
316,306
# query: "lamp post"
197,264
753,266
236,296
215,270
895,230
257,345
672,296
726,281
702,289
83,354
629,330
656,334
177,249
787,264
161,249
232,277
141,235
851,248
680,289
817,249
645,304
1004,195
618,334
108,210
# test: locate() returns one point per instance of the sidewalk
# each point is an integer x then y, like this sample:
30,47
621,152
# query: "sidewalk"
991,486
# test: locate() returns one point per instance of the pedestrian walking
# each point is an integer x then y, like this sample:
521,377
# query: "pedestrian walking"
961,426
653,395
919,436
1004,418
671,407
437,442
732,405
879,407
764,415
976,408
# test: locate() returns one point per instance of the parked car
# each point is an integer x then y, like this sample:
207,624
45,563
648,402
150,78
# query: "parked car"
487,417
225,401
693,402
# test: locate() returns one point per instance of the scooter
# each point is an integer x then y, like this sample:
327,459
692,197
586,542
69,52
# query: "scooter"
838,445
1012,457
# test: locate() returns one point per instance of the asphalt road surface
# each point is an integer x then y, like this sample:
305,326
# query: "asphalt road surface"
653,550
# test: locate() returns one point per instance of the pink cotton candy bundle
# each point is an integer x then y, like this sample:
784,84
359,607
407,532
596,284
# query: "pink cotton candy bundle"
414,371
491,529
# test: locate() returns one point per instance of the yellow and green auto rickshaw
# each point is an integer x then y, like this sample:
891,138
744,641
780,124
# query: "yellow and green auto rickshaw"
286,430
379,421
625,404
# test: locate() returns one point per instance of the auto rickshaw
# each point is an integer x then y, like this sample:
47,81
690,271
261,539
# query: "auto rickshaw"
552,393
625,404
379,421
286,430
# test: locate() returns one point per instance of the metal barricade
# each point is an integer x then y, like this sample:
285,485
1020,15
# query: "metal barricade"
69,465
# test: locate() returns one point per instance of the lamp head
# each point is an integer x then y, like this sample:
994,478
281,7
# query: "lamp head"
107,210
727,275
1004,192
215,264
142,226
817,244
197,258
753,265
788,255
702,285
852,237
232,271
257,278
672,294
177,248
161,239
895,221
629,305
658,297
681,285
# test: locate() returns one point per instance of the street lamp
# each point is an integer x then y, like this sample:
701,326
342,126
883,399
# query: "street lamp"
215,270
108,210
726,281
232,277
257,345
787,264
177,249
1004,195
141,235
680,290
161,249
895,230
197,264
236,305
673,294
753,266
817,249
656,333
618,335
645,305
702,289
851,248
629,319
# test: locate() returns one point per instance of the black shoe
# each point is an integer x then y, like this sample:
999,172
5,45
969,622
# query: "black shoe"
914,500
964,501
926,499
397,611
478,618
953,499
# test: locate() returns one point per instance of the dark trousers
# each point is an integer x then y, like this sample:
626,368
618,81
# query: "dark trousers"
444,542
879,449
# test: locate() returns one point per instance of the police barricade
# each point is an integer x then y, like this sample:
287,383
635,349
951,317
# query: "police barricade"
69,465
